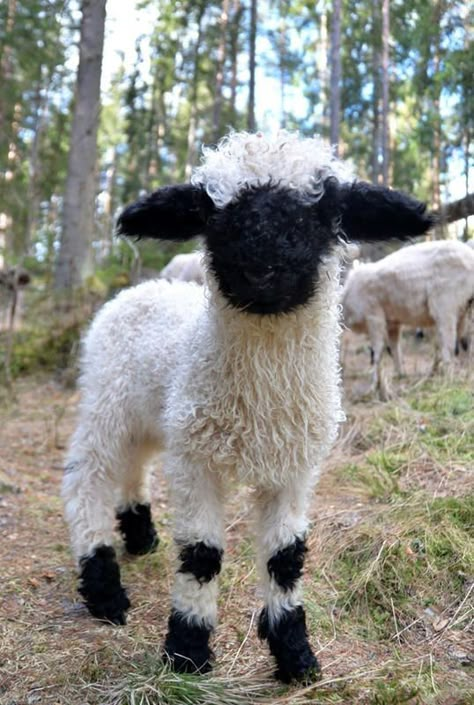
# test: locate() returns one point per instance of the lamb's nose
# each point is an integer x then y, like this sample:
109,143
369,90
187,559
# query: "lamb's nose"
260,278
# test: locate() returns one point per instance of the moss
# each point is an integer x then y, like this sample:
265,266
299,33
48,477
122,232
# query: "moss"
51,350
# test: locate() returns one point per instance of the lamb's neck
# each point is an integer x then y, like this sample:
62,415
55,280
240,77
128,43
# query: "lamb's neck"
311,330
276,337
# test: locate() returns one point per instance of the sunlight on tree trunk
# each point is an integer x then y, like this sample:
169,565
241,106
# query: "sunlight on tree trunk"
191,153
336,75
251,124
221,55
75,254
385,92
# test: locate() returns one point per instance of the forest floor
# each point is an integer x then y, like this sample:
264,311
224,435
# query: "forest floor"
388,585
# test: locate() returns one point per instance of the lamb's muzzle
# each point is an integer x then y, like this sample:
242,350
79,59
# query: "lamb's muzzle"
240,380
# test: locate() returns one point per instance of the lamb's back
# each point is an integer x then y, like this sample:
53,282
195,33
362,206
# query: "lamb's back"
134,347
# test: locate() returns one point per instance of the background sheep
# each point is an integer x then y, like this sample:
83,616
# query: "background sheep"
186,267
241,381
423,285
12,284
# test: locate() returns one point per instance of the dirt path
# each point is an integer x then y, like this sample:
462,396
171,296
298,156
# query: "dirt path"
50,647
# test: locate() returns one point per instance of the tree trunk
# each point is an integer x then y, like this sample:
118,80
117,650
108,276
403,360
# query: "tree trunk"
251,123
436,154
75,253
385,91
191,153
234,49
376,67
282,32
467,153
456,210
41,112
221,52
322,70
336,75
6,73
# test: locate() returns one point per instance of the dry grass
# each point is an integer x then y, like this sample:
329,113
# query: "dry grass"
388,587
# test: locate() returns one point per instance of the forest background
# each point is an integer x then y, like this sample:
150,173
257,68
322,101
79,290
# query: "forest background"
101,101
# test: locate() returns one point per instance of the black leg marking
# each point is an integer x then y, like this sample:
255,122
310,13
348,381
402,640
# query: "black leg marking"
203,561
138,530
187,645
286,566
288,642
99,585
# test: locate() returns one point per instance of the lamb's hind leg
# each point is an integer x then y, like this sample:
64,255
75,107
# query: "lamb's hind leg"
134,510
90,494
281,531
199,538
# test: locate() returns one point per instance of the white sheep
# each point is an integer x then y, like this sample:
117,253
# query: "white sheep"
422,285
186,267
238,380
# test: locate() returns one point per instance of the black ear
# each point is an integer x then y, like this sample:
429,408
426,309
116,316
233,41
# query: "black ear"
375,213
171,213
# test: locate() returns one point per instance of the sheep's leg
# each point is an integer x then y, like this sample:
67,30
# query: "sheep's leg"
281,531
89,493
462,332
134,511
446,328
393,332
199,538
377,330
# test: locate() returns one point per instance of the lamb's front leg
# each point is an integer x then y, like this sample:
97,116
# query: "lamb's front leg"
281,527
89,489
199,538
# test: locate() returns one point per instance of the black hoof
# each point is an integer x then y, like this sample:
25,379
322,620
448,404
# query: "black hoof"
288,642
187,646
304,668
138,530
99,585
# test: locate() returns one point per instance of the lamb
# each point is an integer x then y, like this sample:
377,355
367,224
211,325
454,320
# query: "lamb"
422,285
186,267
239,380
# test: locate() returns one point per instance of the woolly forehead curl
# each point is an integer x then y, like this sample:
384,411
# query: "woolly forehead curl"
243,159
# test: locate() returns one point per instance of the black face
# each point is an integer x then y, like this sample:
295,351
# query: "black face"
265,248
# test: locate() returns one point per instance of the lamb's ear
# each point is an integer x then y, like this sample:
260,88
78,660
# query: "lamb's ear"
171,213
375,213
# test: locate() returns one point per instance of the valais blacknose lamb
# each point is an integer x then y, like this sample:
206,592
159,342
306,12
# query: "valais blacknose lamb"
238,380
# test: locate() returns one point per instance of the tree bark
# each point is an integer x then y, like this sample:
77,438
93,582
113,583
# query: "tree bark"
376,69
322,70
251,123
75,253
336,74
6,72
191,153
436,154
456,210
385,91
238,10
221,54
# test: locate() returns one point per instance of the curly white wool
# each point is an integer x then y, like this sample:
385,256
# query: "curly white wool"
243,159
